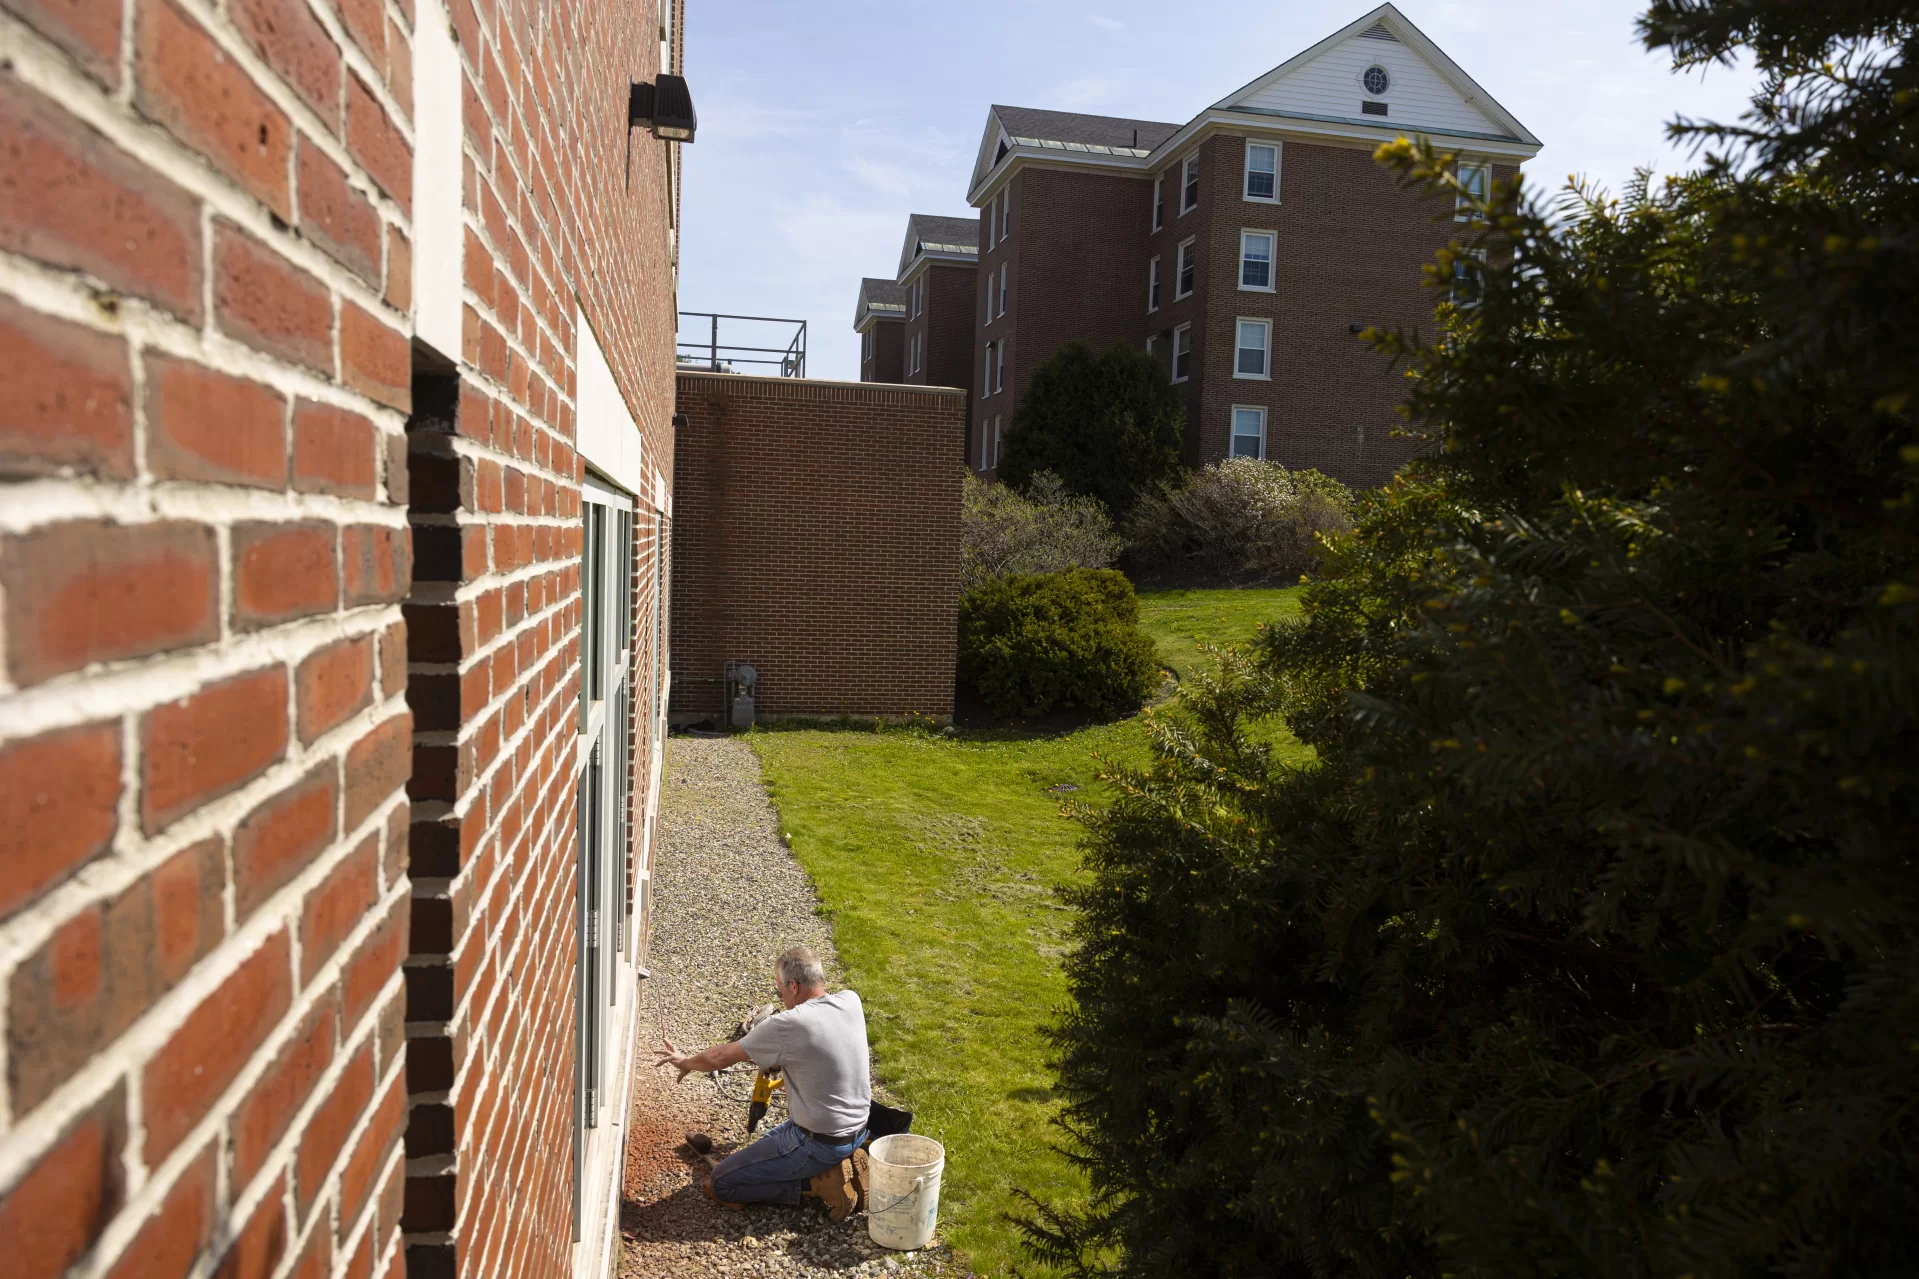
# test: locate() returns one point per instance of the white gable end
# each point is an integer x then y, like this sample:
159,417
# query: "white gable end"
1425,92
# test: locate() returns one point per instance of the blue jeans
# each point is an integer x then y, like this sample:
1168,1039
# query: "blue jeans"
774,1168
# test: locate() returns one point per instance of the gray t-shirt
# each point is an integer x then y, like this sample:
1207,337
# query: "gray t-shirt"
821,1045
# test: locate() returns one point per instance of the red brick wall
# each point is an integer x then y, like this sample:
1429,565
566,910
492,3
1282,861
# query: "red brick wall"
561,202
204,317
817,537
231,984
888,361
1350,245
1077,257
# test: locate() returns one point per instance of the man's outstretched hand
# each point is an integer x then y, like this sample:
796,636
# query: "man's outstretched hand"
718,1057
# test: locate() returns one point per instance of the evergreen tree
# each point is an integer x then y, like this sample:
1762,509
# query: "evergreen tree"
1109,425
1585,946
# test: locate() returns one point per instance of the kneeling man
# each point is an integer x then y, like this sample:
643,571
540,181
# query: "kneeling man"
820,1044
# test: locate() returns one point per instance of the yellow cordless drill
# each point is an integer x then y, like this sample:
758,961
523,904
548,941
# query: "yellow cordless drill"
763,1085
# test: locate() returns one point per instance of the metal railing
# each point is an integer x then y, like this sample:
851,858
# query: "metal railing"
704,350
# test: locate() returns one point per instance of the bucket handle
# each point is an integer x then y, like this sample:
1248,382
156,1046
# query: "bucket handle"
919,1184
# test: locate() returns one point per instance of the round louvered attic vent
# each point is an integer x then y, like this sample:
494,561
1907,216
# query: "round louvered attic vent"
1376,80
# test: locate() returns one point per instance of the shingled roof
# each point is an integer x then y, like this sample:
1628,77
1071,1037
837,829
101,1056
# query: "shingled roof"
1087,130
885,299
932,232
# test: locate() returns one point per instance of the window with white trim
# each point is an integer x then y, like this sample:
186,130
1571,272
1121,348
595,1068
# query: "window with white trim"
1262,172
988,317
986,372
1183,283
1159,201
1475,181
866,344
1002,287
1469,280
1189,184
992,207
601,919
999,373
1252,348
1182,352
1249,431
1256,261
1006,213
1152,291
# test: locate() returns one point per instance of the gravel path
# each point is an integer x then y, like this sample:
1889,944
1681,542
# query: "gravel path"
728,898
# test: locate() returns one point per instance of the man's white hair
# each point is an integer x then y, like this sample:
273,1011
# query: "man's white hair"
802,967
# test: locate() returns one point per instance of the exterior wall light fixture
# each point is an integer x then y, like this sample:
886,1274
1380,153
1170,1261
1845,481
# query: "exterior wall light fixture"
665,107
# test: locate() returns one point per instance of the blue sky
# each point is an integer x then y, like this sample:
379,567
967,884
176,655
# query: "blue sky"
823,123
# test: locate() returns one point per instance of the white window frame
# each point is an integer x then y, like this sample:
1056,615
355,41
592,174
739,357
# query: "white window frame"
999,374
1152,290
1188,181
992,207
1265,350
997,440
1463,211
1185,331
1272,263
989,301
1190,245
986,373
1233,432
1002,287
1159,200
1246,177
1459,274
1006,213
1152,339
866,345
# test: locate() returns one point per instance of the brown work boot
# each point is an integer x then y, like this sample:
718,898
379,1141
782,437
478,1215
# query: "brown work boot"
834,1188
706,1188
860,1172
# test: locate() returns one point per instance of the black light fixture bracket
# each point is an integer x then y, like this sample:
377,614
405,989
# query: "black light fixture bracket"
665,107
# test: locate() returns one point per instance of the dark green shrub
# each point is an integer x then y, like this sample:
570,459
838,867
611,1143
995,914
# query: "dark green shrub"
1042,642
1588,945
1109,425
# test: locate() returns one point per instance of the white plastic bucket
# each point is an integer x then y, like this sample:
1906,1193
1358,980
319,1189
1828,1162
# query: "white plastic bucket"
903,1191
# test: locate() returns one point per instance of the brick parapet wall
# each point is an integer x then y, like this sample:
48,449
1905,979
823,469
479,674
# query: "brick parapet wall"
204,291
816,536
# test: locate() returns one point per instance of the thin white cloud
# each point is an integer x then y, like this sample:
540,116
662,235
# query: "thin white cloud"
1111,26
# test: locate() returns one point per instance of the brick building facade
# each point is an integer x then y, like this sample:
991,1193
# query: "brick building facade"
817,540
338,352
879,317
1245,248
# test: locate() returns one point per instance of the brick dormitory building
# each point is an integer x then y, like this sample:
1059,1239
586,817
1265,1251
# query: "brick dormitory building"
1244,249
337,355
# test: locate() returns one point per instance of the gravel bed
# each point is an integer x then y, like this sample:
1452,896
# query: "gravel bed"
727,899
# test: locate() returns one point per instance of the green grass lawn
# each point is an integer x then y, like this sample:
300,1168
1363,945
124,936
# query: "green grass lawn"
937,857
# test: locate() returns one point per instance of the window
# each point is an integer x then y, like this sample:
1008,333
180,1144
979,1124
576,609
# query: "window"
1249,431
992,207
1256,260
985,443
1475,181
1183,286
1376,80
1182,352
1152,340
988,319
866,345
1006,214
1252,348
913,361
986,372
1262,171
1189,184
1468,282
602,840
1152,292
1159,201
1002,288
999,372
998,437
